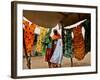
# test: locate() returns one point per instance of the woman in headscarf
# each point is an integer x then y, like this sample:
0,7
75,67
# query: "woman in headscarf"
56,49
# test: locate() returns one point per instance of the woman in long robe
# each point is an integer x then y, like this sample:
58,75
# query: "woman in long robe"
56,50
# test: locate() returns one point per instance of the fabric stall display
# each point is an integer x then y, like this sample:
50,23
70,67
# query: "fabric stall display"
68,43
57,54
39,45
87,27
47,43
29,36
78,43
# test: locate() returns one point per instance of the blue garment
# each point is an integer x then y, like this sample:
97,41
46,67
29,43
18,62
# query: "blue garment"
49,45
58,54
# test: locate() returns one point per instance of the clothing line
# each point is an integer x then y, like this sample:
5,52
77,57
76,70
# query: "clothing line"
66,27
76,24
83,32
40,40
27,20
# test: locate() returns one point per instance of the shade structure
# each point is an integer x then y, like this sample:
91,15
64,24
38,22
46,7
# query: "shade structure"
72,18
44,19
51,19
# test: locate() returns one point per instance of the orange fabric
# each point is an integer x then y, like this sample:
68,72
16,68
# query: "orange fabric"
78,43
29,36
56,36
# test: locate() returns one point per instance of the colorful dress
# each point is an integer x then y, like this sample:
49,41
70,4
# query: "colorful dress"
39,45
68,43
46,41
29,37
78,43
47,46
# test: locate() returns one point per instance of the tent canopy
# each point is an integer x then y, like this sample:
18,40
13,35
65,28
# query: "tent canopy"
51,19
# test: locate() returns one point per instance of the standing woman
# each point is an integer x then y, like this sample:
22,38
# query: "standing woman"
56,50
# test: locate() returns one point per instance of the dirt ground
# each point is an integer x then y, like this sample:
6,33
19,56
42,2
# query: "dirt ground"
39,62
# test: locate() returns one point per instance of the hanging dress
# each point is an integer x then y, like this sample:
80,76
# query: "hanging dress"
68,43
58,54
78,43
46,41
39,44
29,37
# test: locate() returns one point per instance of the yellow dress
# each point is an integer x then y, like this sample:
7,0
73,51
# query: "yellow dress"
42,35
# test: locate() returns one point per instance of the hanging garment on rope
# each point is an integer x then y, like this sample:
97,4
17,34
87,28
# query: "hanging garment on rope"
78,43
87,27
39,44
58,54
68,43
29,36
47,42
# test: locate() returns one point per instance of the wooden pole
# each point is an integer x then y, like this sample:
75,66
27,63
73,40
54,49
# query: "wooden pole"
71,62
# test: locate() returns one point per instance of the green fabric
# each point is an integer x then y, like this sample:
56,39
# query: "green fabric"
68,44
46,41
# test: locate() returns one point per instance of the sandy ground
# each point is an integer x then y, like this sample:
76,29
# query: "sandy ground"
39,62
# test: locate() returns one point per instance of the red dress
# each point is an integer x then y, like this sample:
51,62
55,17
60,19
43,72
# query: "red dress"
78,43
